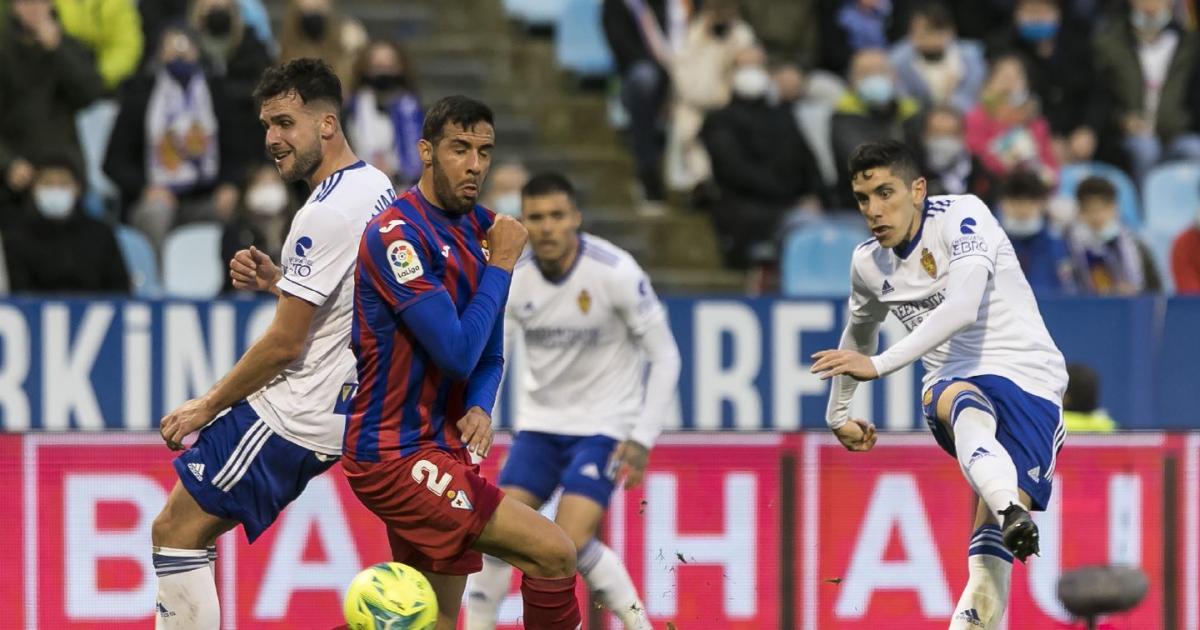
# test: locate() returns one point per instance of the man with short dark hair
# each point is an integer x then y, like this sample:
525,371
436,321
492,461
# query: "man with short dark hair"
1039,247
603,370
288,395
933,65
994,379
433,279
1108,258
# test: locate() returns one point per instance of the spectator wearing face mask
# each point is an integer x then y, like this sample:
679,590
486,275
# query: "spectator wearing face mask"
384,115
949,167
702,75
1006,131
870,110
178,145
46,77
232,53
1185,259
933,65
504,184
1107,258
261,219
1040,249
1147,66
313,28
1059,66
59,249
762,166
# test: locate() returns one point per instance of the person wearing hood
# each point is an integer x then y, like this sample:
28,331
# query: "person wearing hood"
762,166
59,249
179,145
1040,249
314,28
384,113
871,110
1185,259
46,78
1107,257
1148,69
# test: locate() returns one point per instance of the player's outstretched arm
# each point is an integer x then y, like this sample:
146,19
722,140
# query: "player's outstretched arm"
252,270
965,289
264,360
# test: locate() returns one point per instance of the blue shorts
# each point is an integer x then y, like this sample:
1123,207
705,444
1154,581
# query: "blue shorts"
1029,427
241,470
540,462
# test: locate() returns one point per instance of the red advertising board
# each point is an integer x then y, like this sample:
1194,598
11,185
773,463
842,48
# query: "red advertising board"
880,538
889,542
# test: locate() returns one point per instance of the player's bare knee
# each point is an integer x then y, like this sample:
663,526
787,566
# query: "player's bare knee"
557,556
160,529
946,400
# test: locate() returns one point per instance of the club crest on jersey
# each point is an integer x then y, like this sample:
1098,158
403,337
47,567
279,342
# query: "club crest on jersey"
406,266
585,301
928,263
487,253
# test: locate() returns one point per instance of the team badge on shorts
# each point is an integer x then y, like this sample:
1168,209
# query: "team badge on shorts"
459,500
928,263
927,397
406,265
585,301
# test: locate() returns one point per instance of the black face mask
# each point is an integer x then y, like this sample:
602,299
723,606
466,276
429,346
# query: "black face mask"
720,30
933,56
383,82
218,22
313,25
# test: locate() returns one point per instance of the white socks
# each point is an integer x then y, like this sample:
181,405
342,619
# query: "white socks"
610,583
600,567
986,595
486,590
187,593
985,463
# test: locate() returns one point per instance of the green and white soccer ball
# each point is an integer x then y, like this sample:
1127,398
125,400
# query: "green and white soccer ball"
390,596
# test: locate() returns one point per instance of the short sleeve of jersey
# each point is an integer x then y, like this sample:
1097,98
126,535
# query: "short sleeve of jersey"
396,258
634,298
864,308
971,234
320,251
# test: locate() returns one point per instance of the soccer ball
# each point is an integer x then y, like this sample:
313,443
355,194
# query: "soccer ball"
390,596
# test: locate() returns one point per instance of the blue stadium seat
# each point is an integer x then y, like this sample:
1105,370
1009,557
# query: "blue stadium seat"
1172,196
192,265
1127,197
140,261
535,12
816,259
579,43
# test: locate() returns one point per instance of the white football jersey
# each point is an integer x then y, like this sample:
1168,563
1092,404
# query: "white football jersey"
306,402
1008,337
582,371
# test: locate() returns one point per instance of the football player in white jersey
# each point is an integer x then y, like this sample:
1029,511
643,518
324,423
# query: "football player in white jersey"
287,396
600,372
994,378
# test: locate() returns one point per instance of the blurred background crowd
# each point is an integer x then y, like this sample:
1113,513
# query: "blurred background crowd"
709,137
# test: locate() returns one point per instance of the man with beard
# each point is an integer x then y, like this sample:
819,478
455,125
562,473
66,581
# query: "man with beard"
288,395
433,276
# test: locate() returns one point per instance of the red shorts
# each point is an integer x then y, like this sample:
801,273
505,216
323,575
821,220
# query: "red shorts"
434,505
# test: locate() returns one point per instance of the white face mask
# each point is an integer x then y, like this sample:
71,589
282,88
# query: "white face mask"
267,199
509,203
943,151
1024,228
751,82
876,89
1106,233
54,202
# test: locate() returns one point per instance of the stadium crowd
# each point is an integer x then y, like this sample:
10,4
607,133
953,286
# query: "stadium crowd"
121,121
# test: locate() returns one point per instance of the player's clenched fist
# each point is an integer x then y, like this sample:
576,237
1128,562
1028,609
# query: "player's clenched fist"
506,238
253,270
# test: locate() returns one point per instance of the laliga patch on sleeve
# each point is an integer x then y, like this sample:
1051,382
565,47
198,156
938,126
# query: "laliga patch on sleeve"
406,266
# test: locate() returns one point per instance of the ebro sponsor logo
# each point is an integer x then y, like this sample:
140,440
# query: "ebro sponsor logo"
968,245
300,265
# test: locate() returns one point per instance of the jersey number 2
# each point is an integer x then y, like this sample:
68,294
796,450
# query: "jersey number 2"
426,472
